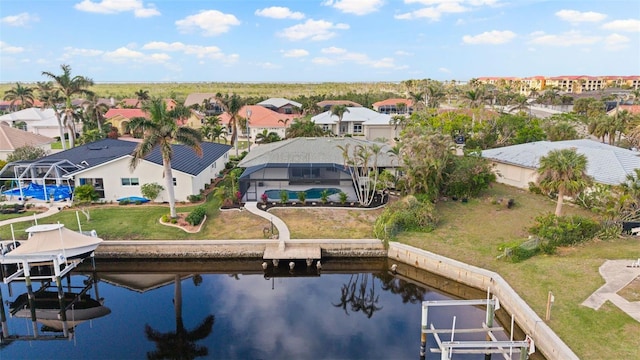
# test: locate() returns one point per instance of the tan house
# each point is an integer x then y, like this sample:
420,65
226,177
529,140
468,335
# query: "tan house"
120,118
260,119
11,139
517,165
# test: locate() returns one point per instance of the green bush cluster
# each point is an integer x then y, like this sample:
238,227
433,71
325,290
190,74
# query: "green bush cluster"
563,231
302,196
194,198
197,215
408,214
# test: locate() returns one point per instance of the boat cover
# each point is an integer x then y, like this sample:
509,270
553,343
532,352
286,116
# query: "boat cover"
53,242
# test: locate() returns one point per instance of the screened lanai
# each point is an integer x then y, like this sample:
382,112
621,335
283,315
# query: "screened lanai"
40,179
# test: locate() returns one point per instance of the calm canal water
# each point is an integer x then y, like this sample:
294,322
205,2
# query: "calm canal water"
233,310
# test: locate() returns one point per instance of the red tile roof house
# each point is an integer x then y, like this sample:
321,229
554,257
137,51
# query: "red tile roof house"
390,106
261,119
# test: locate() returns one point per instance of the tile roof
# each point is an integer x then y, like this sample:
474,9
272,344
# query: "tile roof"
126,113
102,151
11,139
279,102
359,114
633,109
394,102
197,98
607,164
260,116
320,150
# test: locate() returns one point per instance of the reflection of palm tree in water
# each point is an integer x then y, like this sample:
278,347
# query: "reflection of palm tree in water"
181,343
359,297
408,291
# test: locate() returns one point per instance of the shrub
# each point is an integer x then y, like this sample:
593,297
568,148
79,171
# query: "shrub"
302,196
124,202
469,175
264,197
284,196
85,193
408,214
194,198
151,191
166,218
197,215
563,230
343,197
324,196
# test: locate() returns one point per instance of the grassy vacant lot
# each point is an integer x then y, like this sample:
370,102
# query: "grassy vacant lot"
473,233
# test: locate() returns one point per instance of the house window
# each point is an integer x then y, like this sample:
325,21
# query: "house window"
325,127
213,166
130,181
175,182
357,128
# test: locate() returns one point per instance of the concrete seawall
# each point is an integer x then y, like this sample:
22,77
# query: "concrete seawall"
547,342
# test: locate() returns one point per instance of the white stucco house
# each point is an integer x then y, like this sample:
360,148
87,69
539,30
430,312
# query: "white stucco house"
301,164
105,165
358,121
38,121
517,165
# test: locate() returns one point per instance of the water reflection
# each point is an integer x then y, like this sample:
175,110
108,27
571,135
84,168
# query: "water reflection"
229,310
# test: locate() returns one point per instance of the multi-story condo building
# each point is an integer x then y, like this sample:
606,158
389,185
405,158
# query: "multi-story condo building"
570,84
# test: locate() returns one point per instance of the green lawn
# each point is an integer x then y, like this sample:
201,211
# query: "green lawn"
473,233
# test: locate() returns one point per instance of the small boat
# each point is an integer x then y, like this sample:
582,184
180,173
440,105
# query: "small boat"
48,241
83,308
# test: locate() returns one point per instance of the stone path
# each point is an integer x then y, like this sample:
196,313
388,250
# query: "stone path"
617,274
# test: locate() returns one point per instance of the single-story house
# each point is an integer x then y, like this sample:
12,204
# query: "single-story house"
517,165
120,118
300,164
38,121
282,106
11,139
358,121
327,104
390,106
105,165
260,118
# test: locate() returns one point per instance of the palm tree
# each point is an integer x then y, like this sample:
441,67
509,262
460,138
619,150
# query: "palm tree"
24,94
302,127
161,131
339,110
51,97
284,122
266,137
69,86
180,344
95,110
564,172
231,105
142,96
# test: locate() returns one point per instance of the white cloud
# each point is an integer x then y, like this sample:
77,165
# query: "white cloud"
570,38
269,66
494,37
574,16
615,42
435,9
339,55
333,50
279,12
211,22
444,70
357,7
628,25
324,61
295,53
71,51
8,49
315,30
201,52
123,55
403,53
22,19
118,6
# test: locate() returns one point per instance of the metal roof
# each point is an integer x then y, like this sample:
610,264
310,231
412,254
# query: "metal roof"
320,150
279,102
607,164
355,114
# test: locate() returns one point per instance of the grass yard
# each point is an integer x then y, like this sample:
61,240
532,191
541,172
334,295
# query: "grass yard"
474,232
307,223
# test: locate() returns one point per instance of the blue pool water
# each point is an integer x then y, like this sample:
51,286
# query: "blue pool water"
42,192
312,194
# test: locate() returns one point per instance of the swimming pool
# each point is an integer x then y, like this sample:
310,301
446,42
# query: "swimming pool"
312,194
42,192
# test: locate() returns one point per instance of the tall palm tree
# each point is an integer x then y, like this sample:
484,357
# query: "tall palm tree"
24,94
180,344
95,110
51,97
339,110
142,96
564,172
70,86
284,122
302,127
161,130
232,105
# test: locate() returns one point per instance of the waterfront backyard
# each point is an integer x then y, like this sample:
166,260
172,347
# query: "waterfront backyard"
472,232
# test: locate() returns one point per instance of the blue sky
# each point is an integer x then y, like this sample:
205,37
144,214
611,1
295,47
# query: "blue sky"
317,40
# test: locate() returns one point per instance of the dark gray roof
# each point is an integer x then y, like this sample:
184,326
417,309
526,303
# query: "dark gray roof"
102,151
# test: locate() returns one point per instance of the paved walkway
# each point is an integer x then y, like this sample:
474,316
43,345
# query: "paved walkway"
283,230
617,274
52,210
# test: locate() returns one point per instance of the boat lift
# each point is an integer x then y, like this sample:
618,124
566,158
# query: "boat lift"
491,346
